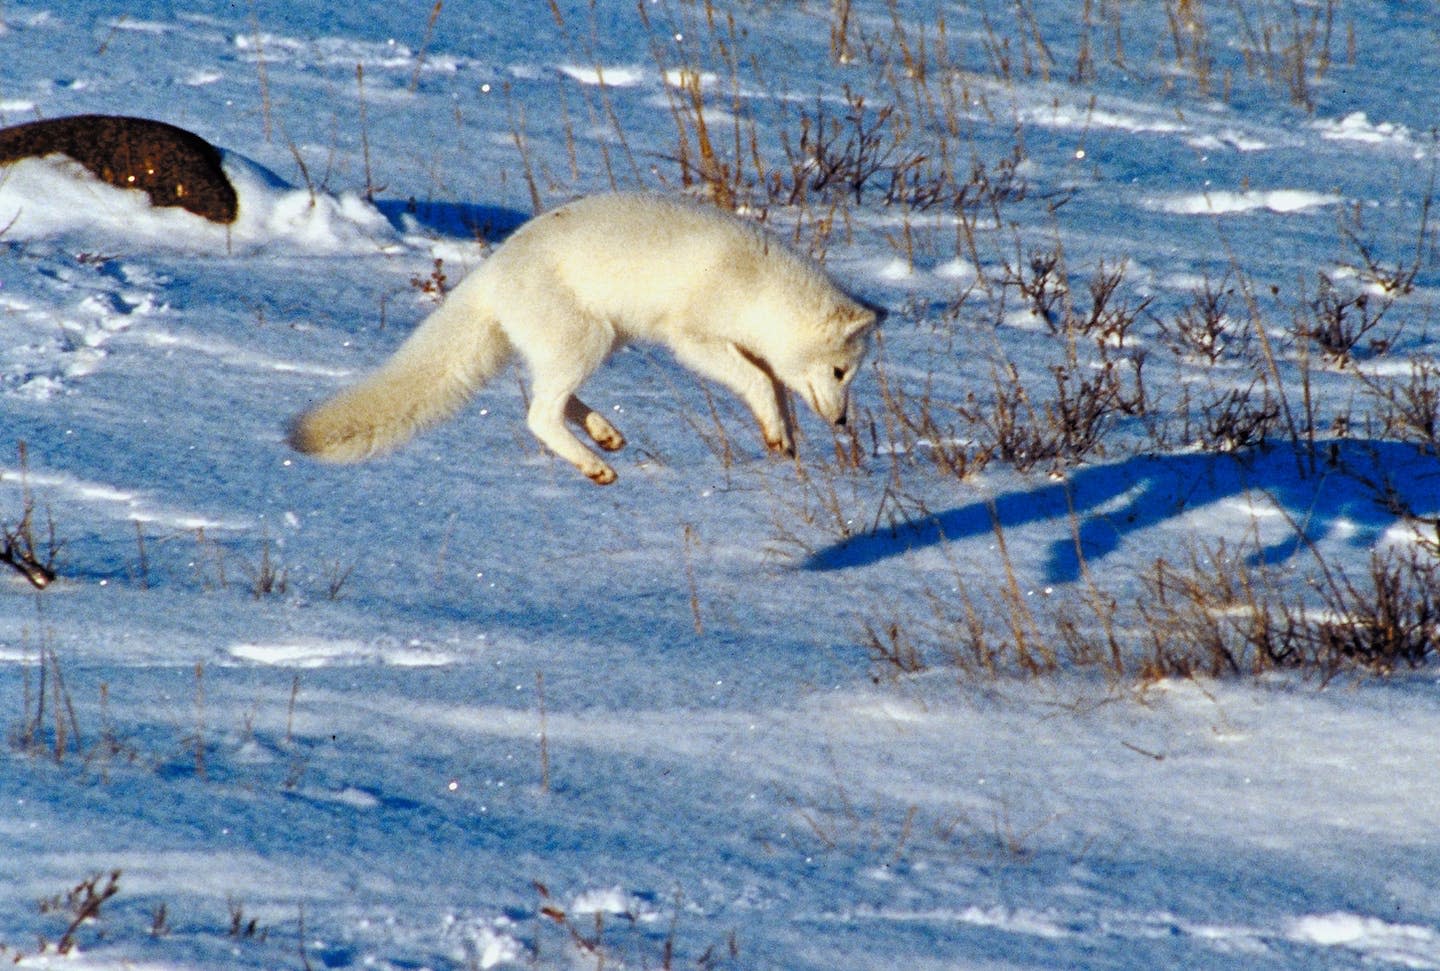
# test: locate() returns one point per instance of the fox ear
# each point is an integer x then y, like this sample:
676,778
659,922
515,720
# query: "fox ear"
860,317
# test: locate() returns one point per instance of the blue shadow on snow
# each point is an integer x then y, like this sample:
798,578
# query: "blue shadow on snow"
1113,501
464,220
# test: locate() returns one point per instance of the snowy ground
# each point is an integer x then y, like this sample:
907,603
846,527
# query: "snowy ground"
460,708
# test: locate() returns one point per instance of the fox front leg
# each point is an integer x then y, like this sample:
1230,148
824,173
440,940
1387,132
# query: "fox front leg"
745,375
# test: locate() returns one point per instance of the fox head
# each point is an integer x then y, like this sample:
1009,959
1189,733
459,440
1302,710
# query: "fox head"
821,369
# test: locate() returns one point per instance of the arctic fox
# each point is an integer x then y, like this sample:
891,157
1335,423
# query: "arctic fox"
574,284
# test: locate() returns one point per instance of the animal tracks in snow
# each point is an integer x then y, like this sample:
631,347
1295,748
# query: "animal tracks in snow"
55,323
58,325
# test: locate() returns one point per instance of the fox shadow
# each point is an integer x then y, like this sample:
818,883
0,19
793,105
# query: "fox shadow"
1338,496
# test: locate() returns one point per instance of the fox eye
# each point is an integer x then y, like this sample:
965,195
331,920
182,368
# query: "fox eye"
839,374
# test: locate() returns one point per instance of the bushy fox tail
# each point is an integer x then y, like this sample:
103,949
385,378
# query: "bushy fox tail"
435,371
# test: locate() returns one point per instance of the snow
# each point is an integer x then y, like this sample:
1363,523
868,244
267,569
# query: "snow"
1357,127
272,214
1223,202
459,708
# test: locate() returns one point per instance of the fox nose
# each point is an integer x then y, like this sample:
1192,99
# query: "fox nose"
841,420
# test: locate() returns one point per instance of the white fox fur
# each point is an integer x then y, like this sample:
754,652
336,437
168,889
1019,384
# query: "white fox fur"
574,284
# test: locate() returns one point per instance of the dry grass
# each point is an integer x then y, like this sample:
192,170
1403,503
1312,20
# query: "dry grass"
26,546
1244,357
80,905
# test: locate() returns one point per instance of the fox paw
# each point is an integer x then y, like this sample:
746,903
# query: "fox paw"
604,434
781,447
601,476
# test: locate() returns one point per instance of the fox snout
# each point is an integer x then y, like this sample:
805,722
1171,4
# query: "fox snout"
829,407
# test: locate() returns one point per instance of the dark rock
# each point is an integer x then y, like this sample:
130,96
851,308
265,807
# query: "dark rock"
173,166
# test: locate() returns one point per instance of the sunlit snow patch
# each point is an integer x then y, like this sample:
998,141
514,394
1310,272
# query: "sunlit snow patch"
958,269
116,502
687,78
1357,127
1228,138
613,901
896,271
351,796
273,211
1010,920
235,355
54,197
1406,945
1086,117
487,944
616,76
1221,203
345,53
320,653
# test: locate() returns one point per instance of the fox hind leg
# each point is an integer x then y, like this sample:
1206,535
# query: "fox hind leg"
546,420
557,372
606,435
